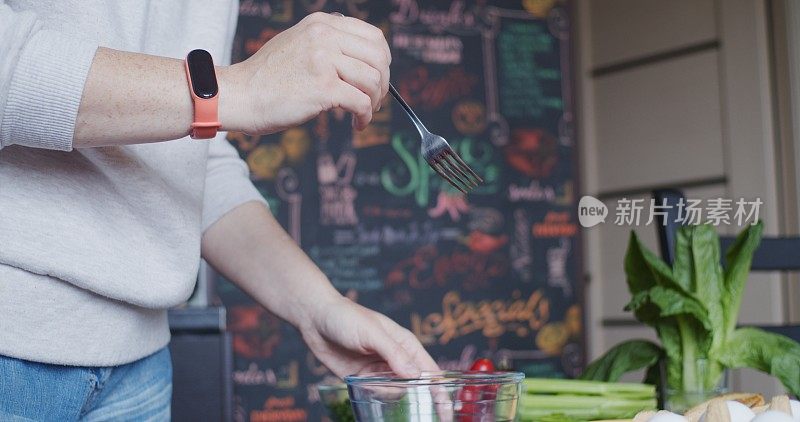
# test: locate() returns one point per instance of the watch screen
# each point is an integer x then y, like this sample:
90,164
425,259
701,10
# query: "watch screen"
201,70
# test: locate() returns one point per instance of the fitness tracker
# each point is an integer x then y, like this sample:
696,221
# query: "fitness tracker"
204,89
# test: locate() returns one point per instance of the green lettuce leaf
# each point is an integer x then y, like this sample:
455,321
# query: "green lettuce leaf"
683,267
644,269
683,328
708,276
767,352
645,311
625,357
670,338
738,259
669,303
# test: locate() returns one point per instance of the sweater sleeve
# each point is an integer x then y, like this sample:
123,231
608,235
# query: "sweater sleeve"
228,183
42,74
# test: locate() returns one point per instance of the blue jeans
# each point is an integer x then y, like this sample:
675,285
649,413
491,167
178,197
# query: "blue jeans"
138,391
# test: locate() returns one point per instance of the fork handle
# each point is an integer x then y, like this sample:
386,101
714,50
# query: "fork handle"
411,115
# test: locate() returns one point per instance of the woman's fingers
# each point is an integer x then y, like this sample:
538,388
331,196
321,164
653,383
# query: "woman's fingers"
421,356
441,399
368,52
358,27
362,76
360,45
353,100
410,343
401,362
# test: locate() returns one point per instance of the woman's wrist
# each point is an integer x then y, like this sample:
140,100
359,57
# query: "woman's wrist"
314,309
234,108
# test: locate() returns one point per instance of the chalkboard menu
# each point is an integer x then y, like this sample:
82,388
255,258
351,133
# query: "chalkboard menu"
495,273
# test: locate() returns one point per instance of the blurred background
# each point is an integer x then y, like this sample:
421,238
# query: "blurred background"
699,95
548,100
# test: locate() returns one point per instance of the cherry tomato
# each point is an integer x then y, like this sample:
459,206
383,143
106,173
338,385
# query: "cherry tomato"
469,397
475,400
482,365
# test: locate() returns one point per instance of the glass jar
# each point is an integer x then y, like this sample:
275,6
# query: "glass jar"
681,400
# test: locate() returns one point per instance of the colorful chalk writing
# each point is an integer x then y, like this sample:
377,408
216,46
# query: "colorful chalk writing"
557,266
491,274
347,266
524,82
428,268
492,318
520,251
457,15
555,224
428,92
279,409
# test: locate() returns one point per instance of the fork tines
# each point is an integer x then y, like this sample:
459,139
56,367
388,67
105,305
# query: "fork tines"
452,168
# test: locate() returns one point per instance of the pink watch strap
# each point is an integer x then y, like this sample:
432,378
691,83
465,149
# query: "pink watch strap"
206,120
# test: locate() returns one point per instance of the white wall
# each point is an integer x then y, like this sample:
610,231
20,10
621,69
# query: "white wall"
673,93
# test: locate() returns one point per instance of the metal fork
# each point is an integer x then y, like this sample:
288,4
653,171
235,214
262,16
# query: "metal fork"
439,155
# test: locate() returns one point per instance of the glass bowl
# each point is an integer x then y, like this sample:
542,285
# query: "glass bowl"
435,396
336,401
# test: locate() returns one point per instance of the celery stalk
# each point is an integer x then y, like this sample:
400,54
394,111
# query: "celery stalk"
545,385
565,400
580,410
568,401
580,414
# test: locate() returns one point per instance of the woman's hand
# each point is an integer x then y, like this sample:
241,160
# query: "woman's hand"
323,62
250,248
349,339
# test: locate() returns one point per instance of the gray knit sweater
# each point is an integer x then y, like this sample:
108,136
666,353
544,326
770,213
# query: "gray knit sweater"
96,243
